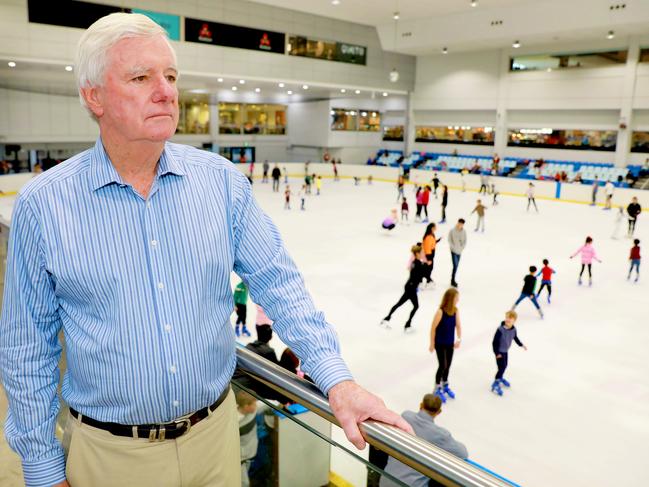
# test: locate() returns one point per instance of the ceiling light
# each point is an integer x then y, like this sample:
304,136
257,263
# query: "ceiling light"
242,81
281,85
549,70
305,87
343,90
610,35
516,44
68,68
395,16
358,92
385,93
474,3
335,2
220,80
234,88
394,75
11,64
445,50
257,90
363,114
289,92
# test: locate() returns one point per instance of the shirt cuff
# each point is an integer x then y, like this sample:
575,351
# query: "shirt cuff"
45,472
329,372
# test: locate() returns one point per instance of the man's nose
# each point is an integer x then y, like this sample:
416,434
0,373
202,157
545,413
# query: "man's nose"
165,90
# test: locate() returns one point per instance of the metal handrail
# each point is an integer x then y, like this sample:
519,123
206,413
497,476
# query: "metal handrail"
424,457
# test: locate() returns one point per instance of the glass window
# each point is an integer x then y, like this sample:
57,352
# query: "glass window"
455,134
369,121
550,62
194,115
275,119
548,138
327,50
640,142
230,118
344,119
394,132
644,55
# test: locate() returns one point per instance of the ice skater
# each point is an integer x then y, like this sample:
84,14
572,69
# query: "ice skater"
484,182
634,258
609,189
446,324
619,217
302,195
417,271
546,279
444,203
318,185
285,174
502,342
400,185
531,192
266,167
593,201
287,198
276,174
419,198
463,174
241,307
391,221
633,210
528,291
425,199
435,182
479,210
456,242
588,254
404,209
429,243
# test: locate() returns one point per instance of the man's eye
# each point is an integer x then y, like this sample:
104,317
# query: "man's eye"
139,79
171,78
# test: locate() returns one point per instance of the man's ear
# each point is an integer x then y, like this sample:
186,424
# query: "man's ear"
93,100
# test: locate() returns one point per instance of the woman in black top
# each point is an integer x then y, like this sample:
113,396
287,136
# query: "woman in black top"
634,209
444,202
417,272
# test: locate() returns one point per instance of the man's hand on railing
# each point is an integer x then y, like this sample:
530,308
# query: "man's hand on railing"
351,404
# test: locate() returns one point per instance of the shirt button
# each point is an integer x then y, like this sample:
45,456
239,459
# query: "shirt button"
154,242
172,369
148,204
160,285
167,327
176,404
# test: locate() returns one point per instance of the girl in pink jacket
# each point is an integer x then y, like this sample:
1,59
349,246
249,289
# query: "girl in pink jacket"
588,254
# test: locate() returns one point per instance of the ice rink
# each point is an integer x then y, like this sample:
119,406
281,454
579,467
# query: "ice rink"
578,410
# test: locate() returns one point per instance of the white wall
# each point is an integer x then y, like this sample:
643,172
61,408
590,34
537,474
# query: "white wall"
309,123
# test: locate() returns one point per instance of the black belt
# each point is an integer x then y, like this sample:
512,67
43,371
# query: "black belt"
155,432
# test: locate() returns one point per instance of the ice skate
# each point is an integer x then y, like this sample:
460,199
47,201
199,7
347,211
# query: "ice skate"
447,390
495,387
579,282
549,300
541,314
440,393
636,278
237,332
590,282
505,382
244,331
407,329
385,322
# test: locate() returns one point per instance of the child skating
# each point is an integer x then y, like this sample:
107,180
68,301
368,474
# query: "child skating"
391,221
417,271
318,185
287,198
588,254
241,307
546,279
446,324
302,195
404,209
479,210
634,258
502,342
531,200
528,291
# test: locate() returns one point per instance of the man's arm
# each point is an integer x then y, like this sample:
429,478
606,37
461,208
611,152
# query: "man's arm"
30,352
276,284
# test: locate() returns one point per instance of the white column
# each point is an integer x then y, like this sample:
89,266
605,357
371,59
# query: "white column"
623,146
409,126
500,143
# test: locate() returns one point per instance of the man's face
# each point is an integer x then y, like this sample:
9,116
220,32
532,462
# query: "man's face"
459,225
138,100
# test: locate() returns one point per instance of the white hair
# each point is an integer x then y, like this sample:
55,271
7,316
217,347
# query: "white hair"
92,51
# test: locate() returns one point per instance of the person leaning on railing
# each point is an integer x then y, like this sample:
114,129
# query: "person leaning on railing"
423,422
128,248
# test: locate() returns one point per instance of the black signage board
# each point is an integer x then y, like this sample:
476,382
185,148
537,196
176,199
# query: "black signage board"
215,33
68,13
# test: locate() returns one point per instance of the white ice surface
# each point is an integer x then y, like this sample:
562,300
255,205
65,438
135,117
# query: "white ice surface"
578,410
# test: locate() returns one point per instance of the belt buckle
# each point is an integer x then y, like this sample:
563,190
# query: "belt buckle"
186,421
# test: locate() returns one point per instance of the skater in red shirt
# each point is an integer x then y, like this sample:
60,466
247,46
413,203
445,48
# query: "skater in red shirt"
634,257
546,279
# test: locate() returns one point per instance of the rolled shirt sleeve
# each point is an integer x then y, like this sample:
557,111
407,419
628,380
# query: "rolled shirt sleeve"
262,261
30,352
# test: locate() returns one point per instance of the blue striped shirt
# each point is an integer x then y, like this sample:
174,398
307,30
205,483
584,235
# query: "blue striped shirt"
141,289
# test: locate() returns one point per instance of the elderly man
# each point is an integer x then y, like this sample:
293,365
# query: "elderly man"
128,248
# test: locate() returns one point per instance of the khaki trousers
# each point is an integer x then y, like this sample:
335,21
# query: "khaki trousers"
207,456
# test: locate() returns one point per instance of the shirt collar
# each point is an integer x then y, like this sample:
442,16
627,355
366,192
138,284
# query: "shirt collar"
104,173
